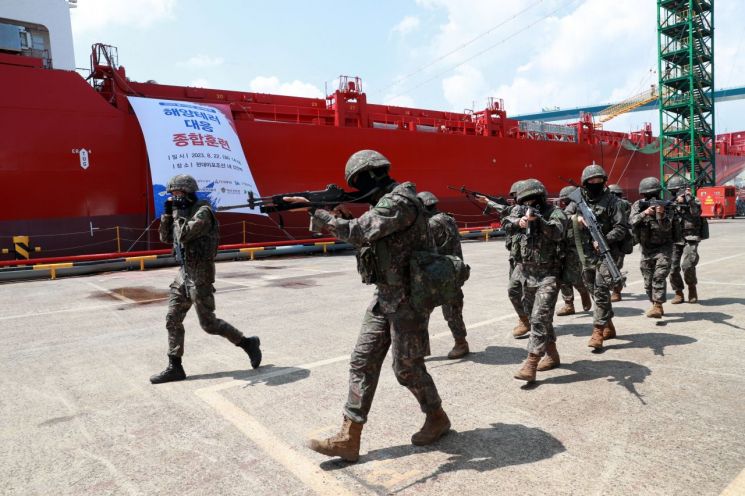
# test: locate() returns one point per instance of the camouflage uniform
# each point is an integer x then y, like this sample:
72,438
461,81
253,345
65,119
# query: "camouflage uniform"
571,275
613,224
195,236
656,241
617,251
447,242
685,250
390,231
538,268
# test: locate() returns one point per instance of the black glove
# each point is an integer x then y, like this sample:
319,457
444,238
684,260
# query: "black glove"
168,206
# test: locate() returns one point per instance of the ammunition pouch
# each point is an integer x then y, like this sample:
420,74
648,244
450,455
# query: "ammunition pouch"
367,265
704,232
627,244
436,279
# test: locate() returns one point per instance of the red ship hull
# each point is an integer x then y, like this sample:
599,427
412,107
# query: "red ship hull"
291,144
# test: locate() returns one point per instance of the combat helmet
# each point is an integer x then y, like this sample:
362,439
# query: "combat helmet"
649,185
676,183
615,189
530,187
515,186
428,199
592,171
364,160
182,182
566,191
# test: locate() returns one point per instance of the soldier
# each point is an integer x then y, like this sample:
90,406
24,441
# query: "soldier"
571,275
685,251
613,225
619,250
385,237
538,230
515,286
654,230
446,236
191,225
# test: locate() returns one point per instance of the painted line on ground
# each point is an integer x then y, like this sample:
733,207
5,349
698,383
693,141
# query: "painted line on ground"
736,487
305,469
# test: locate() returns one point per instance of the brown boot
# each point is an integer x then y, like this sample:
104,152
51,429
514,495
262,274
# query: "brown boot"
615,296
567,309
586,300
678,298
655,311
436,425
551,359
692,295
527,371
460,349
596,340
609,331
522,327
345,444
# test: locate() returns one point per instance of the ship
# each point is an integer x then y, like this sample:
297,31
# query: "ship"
76,176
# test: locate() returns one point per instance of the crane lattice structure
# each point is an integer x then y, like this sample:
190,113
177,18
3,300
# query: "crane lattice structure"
685,35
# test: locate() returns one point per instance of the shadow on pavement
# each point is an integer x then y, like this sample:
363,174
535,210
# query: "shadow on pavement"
714,302
657,341
626,374
482,450
266,374
694,316
491,355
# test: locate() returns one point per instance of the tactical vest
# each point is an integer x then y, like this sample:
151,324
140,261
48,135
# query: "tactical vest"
537,249
199,253
386,262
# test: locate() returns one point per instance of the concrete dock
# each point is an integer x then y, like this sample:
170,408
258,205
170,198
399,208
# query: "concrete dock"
660,412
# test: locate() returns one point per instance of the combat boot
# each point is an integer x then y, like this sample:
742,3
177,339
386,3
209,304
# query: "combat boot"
174,372
522,327
527,371
692,295
678,298
345,444
609,331
596,340
460,349
655,312
436,425
251,347
616,295
551,359
567,309
586,300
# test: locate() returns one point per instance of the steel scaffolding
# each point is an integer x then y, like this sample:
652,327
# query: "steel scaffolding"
685,39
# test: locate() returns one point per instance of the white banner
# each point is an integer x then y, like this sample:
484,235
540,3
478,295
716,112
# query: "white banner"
199,140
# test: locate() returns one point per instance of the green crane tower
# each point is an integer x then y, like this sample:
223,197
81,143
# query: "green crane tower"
685,41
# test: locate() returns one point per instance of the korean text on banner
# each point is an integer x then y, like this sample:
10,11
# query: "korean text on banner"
199,140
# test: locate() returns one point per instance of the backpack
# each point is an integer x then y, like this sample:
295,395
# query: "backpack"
436,279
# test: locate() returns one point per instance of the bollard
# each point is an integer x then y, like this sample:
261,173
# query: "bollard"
251,251
141,260
325,245
52,268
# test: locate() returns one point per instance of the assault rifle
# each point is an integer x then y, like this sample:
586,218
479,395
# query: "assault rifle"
528,211
668,204
597,235
472,194
330,197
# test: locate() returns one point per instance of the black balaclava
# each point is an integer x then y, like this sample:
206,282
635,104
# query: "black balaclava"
184,202
367,181
651,196
594,190
535,201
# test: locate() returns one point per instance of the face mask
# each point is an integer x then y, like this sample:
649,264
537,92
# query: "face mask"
651,196
594,189
182,202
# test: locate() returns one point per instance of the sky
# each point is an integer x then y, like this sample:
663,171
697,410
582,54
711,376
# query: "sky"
436,54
